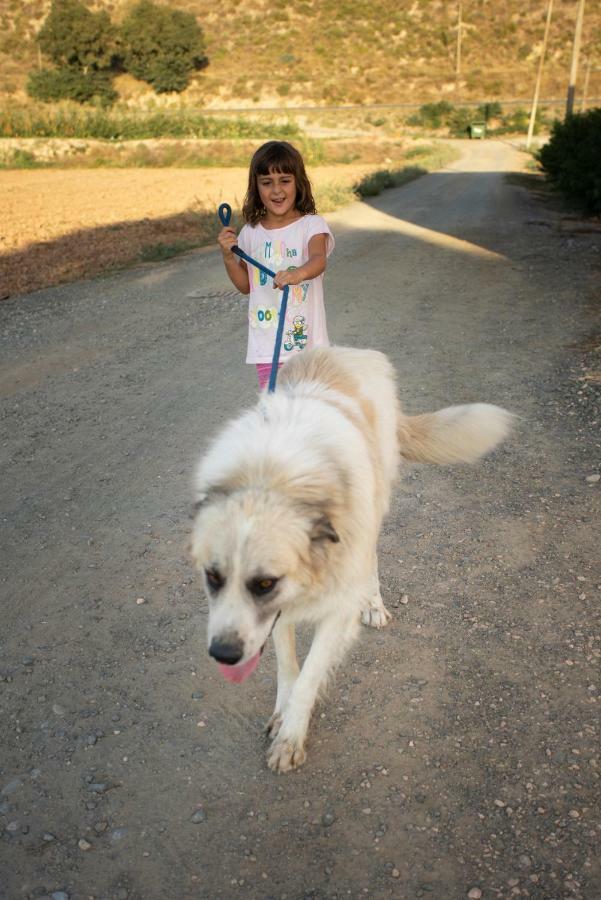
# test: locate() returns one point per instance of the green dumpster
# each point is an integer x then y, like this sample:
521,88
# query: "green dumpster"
477,129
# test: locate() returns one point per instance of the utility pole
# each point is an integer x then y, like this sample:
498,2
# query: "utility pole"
539,76
458,57
587,75
575,54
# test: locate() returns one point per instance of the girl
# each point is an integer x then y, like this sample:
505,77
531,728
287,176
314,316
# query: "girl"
284,233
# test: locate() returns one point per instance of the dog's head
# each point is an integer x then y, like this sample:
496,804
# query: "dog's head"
260,553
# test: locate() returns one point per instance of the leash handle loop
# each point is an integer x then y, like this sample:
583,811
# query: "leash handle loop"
225,214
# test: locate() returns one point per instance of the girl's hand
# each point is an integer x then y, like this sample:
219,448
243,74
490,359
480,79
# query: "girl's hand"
286,276
227,238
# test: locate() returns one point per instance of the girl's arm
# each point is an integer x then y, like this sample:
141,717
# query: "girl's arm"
234,266
315,265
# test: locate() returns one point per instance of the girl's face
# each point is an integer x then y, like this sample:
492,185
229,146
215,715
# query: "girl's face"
277,191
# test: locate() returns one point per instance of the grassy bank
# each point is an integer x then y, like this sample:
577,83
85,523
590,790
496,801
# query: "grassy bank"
49,153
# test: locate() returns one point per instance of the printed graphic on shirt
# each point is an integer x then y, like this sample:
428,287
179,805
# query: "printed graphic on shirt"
263,317
275,254
298,292
296,338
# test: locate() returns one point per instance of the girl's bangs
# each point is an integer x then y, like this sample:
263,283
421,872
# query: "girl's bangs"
276,159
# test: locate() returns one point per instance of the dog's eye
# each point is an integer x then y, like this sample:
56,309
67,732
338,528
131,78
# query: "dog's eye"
260,587
214,578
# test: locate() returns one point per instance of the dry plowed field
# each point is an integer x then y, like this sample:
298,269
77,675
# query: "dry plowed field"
64,225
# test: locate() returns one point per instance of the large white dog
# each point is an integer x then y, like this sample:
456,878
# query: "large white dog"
290,500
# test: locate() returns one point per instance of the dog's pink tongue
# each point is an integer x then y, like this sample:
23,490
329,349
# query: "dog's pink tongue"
240,673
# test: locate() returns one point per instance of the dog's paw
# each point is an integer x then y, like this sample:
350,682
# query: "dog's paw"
285,756
376,615
273,726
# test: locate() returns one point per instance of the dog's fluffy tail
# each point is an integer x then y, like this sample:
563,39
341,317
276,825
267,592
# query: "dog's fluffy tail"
453,435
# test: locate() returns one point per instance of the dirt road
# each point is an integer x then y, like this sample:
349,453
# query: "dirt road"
457,754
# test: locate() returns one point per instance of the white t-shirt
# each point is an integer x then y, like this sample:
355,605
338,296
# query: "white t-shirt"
277,249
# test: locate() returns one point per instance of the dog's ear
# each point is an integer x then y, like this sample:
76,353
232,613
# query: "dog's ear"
210,494
323,530
198,504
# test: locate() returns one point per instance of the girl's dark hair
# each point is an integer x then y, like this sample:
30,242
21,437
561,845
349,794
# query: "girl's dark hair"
281,157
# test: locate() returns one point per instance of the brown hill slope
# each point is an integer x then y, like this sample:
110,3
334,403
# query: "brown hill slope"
293,52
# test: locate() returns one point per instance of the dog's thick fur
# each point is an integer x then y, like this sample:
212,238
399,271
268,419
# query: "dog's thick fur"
291,497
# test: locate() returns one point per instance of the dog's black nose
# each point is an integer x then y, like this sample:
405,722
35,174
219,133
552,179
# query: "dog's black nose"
228,652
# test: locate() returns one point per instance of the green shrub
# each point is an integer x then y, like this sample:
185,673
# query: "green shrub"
489,111
51,85
20,159
432,115
373,184
460,120
572,159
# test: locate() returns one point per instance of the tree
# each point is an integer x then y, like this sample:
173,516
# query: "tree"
74,37
82,46
162,46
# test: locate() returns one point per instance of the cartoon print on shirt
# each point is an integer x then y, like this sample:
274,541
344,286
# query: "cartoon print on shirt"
296,338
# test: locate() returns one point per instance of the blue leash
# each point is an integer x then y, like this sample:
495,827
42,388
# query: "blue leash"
225,215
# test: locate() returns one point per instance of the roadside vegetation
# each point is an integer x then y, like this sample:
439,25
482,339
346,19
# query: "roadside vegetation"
121,130
455,120
68,120
571,160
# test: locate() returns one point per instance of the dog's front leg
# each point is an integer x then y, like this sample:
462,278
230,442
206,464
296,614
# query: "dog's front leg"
332,638
375,613
285,649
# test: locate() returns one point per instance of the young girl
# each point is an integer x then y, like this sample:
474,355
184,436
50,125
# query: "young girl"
284,233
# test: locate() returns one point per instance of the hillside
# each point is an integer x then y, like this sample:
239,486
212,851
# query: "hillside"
323,52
